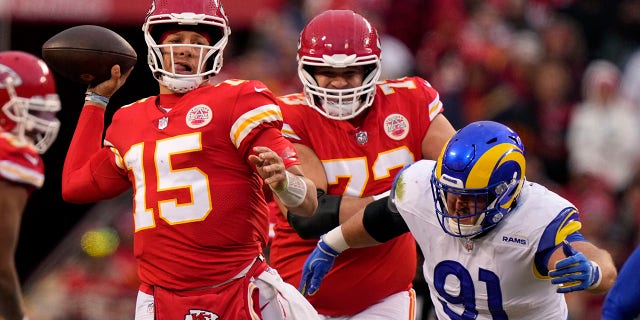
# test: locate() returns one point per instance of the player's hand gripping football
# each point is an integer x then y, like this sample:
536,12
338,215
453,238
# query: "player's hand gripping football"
575,272
316,267
110,86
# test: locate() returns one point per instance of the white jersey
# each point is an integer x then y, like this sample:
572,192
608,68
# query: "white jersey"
501,275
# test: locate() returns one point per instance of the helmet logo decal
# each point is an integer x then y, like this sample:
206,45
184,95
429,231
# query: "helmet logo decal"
396,126
494,158
199,116
5,73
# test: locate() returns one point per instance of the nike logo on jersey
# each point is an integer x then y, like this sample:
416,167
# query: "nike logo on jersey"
259,89
32,159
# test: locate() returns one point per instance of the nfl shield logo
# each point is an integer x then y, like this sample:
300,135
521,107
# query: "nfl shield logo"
163,122
361,137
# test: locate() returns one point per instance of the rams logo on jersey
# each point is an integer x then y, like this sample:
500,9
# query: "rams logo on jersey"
514,239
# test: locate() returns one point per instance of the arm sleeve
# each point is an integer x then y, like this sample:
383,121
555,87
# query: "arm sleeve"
326,217
565,225
89,173
622,301
382,222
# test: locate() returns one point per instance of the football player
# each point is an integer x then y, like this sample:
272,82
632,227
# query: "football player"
196,156
623,300
353,134
28,127
496,246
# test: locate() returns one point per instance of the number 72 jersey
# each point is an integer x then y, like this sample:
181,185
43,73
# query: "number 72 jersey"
359,160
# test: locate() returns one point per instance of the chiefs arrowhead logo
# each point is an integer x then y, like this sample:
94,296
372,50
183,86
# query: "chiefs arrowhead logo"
195,314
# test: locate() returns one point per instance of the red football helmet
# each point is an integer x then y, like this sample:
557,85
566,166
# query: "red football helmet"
339,39
198,15
28,99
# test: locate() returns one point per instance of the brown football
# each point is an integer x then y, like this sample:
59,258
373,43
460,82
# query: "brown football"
86,53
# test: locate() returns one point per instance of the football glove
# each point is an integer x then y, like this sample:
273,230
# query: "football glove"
316,267
575,272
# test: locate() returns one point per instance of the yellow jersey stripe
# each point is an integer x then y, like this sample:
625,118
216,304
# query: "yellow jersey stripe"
252,119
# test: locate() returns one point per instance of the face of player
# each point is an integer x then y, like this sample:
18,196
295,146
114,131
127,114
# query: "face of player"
339,78
180,57
464,206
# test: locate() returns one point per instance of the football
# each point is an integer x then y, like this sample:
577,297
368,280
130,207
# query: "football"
86,53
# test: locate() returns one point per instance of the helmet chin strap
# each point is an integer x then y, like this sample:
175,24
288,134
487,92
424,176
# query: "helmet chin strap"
464,229
182,85
340,109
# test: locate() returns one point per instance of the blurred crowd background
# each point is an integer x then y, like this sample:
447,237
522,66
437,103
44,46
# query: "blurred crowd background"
565,74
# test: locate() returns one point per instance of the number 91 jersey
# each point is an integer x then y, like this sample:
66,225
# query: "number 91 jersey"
500,275
359,160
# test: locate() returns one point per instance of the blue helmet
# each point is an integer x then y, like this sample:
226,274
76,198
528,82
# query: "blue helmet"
484,161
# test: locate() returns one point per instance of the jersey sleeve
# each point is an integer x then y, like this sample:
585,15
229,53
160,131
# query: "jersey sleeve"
90,172
273,139
291,128
257,120
431,97
565,226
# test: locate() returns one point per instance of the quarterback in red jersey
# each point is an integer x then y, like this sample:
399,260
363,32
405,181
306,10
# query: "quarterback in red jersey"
353,134
28,127
196,156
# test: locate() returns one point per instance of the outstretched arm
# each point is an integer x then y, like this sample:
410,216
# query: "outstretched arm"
295,191
580,265
377,223
332,209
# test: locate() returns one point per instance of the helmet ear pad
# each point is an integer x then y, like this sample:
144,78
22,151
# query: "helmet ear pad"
505,192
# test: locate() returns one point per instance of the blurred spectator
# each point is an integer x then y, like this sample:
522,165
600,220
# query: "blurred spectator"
564,43
552,104
604,132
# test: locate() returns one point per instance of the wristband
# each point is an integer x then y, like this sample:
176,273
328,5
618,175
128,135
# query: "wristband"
294,191
596,270
335,240
96,98
381,195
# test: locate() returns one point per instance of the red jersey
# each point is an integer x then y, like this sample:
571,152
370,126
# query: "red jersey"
199,211
20,163
359,161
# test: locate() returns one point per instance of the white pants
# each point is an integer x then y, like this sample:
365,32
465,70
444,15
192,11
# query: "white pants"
278,300
398,306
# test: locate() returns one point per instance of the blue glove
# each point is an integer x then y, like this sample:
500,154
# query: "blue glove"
575,272
316,267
